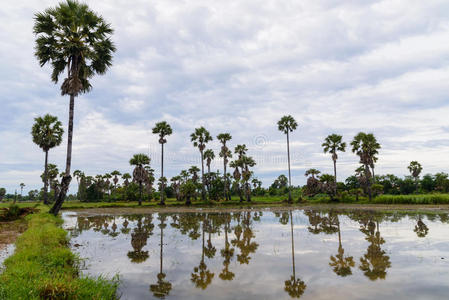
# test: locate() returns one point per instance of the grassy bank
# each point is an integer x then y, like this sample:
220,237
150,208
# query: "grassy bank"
43,267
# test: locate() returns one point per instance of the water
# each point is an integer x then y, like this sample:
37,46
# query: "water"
268,254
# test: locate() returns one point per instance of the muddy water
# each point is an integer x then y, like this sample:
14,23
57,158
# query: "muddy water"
305,254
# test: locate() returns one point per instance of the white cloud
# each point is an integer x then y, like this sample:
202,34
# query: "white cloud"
238,66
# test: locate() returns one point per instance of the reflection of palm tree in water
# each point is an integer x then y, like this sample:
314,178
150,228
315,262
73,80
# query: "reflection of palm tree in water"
295,287
374,262
341,265
139,238
162,287
227,254
421,229
244,243
201,276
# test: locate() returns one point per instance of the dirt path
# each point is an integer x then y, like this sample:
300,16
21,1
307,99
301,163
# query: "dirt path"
143,210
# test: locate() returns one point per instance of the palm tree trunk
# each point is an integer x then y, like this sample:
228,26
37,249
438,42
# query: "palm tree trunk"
368,181
225,179
335,175
289,174
162,175
65,182
140,192
203,192
46,178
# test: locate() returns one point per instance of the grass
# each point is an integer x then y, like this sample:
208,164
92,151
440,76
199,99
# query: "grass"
43,267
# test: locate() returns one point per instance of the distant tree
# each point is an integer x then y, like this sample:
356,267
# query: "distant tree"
286,125
366,147
22,185
140,174
200,137
163,129
2,193
225,153
72,37
47,133
415,169
332,144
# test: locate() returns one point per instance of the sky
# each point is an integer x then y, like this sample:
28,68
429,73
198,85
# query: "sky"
238,67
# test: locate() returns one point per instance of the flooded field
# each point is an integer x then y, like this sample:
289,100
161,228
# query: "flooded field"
265,254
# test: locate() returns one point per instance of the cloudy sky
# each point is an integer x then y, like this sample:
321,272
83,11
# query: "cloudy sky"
238,66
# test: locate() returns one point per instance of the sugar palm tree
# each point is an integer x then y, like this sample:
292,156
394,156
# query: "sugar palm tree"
162,288
209,155
225,153
340,263
72,37
366,147
415,169
126,177
163,129
47,133
22,185
140,174
332,144
287,124
200,138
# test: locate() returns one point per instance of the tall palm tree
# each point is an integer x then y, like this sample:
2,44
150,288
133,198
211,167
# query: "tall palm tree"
78,174
366,147
22,185
47,133
332,144
200,138
209,155
163,129
72,37
225,153
140,174
415,169
287,124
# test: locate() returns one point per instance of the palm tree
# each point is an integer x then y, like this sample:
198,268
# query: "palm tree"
366,147
22,185
47,133
415,169
287,124
140,174
163,129
72,37
209,155
126,177
200,138
225,153
237,176
332,144
312,172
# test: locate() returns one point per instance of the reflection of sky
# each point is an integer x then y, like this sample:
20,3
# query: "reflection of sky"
417,269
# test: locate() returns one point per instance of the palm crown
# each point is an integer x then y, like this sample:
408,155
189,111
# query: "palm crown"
287,124
366,147
73,37
139,160
163,129
200,137
47,132
333,143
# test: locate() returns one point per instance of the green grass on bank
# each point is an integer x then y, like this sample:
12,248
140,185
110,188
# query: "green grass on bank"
43,267
420,199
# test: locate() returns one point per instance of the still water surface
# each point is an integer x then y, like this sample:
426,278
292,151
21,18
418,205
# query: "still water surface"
267,254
